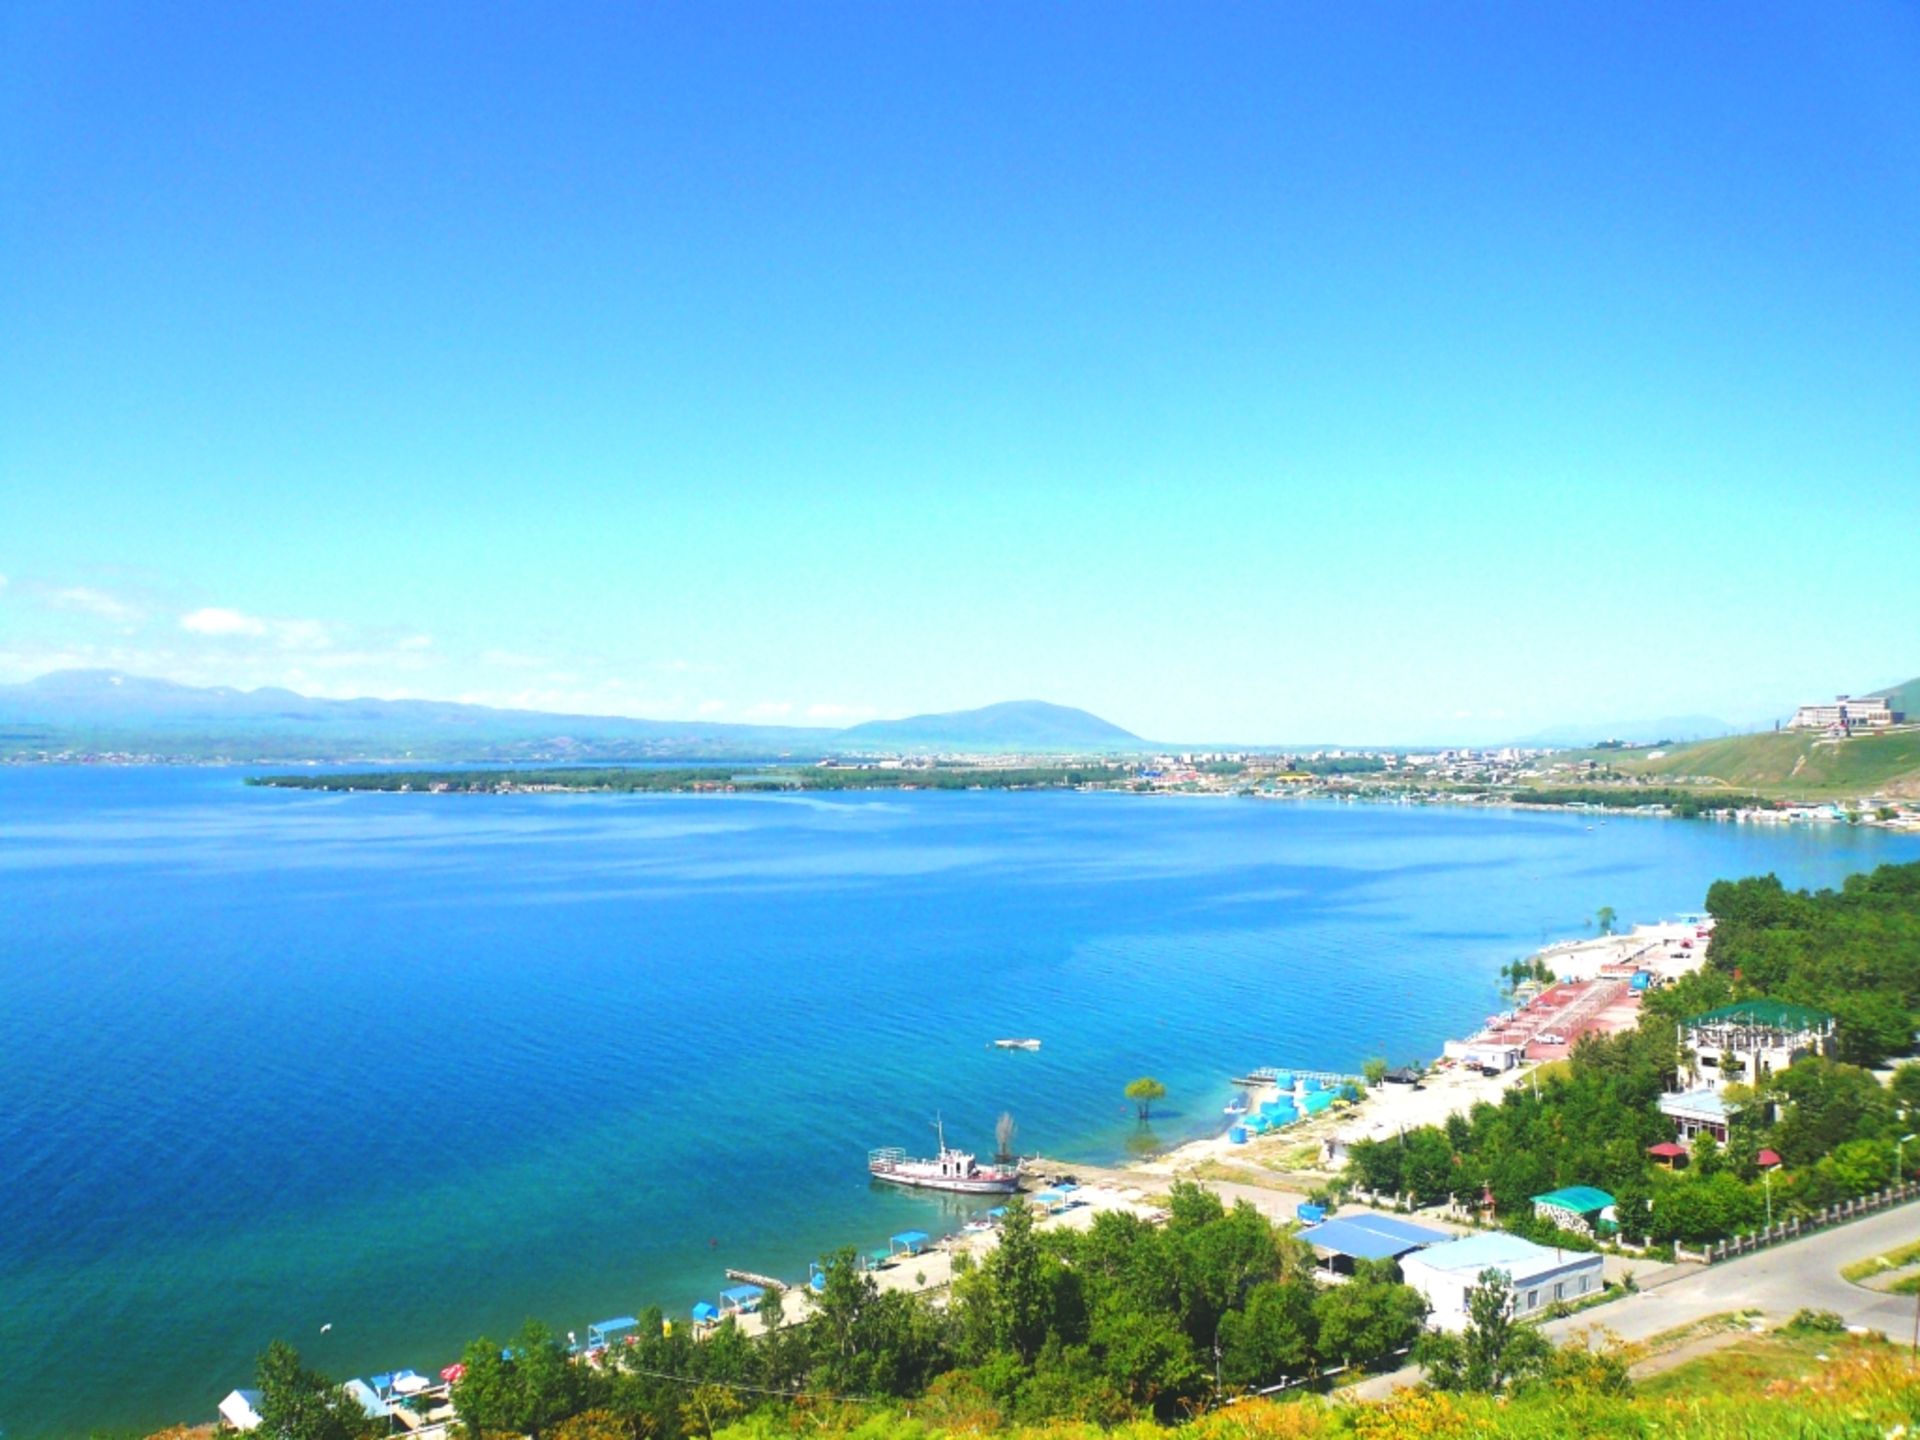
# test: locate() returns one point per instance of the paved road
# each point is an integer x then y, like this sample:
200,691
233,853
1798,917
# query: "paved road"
1802,1274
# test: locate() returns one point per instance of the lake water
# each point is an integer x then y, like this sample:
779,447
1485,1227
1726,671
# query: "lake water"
423,1066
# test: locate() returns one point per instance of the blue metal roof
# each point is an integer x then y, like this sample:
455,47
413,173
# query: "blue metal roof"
619,1322
1395,1228
1366,1237
705,1311
1489,1248
910,1237
743,1292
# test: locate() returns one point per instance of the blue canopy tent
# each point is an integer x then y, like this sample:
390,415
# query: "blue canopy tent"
741,1299
907,1242
816,1276
878,1259
603,1333
1051,1201
998,1212
705,1314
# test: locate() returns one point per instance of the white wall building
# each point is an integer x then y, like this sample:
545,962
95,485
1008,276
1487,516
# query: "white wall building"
1848,712
1541,1277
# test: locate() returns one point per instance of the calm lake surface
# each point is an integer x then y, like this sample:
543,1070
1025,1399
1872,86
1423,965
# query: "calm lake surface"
423,1066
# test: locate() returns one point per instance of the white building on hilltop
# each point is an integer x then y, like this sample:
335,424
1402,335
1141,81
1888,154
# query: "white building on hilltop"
1847,712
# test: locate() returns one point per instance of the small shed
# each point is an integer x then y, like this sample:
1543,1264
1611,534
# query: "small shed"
705,1313
1404,1075
1667,1154
741,1299
907,1242
368,1399
241,1410
1578,1208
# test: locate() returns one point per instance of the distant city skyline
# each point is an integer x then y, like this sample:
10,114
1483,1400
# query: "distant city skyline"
1227,374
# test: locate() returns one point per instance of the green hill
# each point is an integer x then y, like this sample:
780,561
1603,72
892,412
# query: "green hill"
1904,698
1794,763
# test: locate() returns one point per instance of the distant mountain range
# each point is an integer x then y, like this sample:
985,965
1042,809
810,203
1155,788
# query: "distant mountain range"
106,711
1011,725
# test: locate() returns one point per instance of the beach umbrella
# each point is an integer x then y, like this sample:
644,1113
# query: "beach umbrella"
454,1373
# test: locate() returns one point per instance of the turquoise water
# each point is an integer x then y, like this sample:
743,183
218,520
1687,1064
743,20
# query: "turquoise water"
423,1066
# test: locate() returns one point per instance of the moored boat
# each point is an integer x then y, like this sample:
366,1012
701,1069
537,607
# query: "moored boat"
951,1169
1016,1044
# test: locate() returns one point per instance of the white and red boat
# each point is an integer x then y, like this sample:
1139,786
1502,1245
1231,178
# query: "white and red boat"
950,1170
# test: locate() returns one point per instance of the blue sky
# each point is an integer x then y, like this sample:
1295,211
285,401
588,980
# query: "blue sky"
1251,372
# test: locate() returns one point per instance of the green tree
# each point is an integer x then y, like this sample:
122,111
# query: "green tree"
1370,1316
1374,1068
301,1404
1272,1337
526,1388
1603,918
1143,1092
707,1408
1493,1351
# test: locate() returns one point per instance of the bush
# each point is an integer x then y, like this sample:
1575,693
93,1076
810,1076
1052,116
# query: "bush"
1815,1322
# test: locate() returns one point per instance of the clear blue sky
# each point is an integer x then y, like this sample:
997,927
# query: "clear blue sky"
1255,372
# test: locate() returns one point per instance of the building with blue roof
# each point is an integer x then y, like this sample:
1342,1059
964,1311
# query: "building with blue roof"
1366,1236
1541,1276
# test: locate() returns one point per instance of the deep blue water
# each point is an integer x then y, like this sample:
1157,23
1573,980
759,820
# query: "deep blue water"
422,1066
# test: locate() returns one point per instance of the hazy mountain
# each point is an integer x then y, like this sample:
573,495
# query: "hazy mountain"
108,711
1011,725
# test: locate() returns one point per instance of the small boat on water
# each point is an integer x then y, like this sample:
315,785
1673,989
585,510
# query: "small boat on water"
954,1170
1016,1044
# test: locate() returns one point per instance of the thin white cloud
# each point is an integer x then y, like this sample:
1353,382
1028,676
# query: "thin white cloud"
712,707
3,582
417,642
93,602
512,660
221,623
215,621
770,710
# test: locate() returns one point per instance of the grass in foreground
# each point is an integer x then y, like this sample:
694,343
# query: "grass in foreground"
1749,1365
1879,1264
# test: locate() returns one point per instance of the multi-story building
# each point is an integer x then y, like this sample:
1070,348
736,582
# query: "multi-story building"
1848,712
1745,1042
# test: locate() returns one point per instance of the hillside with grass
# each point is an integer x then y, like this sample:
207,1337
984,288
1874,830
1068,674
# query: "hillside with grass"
1792,763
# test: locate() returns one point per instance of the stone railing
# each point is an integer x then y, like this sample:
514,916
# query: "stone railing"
1793,1229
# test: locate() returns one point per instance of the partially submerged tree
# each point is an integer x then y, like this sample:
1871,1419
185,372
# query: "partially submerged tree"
1143,1092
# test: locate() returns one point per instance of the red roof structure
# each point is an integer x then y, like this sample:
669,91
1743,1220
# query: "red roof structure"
1667,1150
1767,1159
